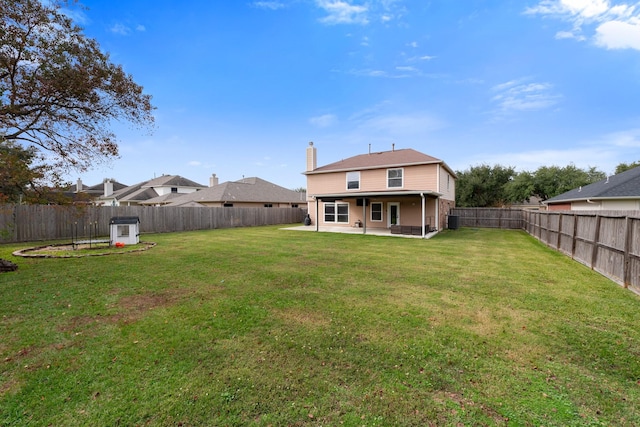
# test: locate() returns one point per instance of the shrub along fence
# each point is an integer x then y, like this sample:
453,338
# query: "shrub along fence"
606,241
25,223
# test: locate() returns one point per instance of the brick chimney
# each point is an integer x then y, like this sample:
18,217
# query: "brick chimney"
213,180
312,161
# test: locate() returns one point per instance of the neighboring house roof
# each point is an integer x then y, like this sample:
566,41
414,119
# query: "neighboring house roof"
249,190
99,188
145,191
624,185
162,200
171,181
383,159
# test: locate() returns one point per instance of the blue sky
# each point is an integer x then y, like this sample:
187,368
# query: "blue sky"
242,86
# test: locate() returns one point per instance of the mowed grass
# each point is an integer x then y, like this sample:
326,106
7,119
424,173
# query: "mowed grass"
263,326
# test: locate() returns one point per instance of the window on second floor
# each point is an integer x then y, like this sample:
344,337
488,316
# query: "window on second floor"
353,180
394,178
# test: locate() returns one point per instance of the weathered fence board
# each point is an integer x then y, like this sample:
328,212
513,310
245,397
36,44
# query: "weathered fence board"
25,223
489,217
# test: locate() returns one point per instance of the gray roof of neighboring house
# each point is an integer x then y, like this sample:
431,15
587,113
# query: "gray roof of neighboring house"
621,186
252,190
144,191
171,181
394,158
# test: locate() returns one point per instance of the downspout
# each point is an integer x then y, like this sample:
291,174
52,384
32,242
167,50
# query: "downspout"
438,199
423,214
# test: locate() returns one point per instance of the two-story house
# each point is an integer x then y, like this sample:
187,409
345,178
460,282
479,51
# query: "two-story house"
154,192
389,189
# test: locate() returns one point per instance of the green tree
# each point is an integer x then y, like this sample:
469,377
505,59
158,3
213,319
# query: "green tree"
622,167
20,178
58,92
549,181
483,186
521,188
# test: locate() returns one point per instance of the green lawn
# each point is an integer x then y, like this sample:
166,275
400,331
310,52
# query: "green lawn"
262,326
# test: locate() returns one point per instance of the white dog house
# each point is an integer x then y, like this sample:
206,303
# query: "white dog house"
125,229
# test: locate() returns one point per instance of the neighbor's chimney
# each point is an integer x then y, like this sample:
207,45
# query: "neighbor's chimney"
213,181
79,186
393,146
108,187
312,162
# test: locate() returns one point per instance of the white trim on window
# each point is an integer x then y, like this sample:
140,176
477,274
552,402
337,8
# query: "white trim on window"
376,212
336,212
395,178
353,180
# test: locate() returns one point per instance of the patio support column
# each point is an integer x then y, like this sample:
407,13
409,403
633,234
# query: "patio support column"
423,214
364,216
317,215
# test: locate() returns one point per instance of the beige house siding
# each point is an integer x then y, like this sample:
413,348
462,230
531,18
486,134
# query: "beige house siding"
250,204
606,205
447,185
423,177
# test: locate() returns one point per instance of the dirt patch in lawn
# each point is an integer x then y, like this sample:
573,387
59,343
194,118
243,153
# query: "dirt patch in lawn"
69,250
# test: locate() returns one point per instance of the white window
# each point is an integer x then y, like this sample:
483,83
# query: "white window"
353,180
376,212
394,178
336,212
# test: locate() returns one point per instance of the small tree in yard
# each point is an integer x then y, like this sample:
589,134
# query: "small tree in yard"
58,92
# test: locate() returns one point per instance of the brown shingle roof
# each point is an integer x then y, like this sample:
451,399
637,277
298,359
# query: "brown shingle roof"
401,157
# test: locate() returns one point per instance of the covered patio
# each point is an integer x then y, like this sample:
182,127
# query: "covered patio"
356,230
416,222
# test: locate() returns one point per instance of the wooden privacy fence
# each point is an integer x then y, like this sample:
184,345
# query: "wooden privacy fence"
25,223
488,217
606,241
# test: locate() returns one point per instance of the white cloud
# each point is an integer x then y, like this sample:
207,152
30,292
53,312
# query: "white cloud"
604,152
570,35
400,125
271,5
124,30
612,26
623,139
619,35
517,95
343,12
120,29
323,121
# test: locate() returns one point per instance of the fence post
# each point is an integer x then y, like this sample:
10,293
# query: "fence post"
626,275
